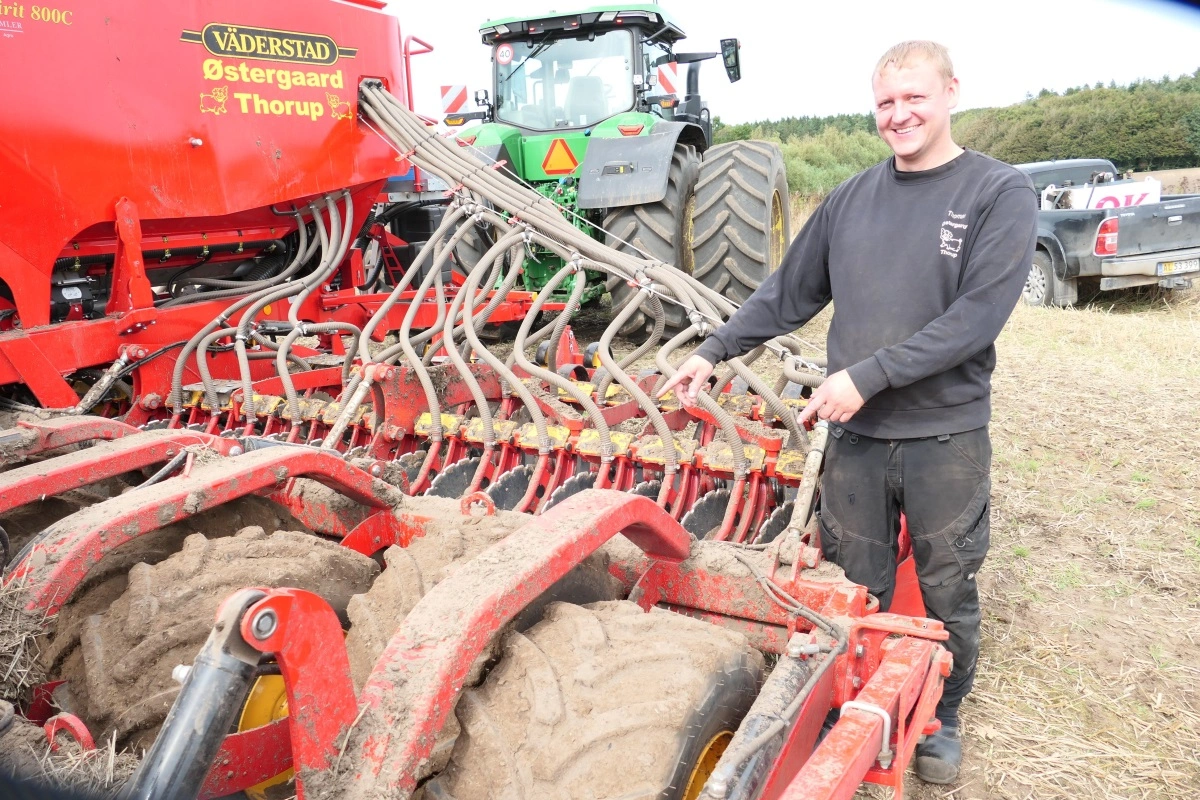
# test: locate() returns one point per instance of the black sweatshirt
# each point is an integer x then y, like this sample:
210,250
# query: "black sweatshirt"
923,268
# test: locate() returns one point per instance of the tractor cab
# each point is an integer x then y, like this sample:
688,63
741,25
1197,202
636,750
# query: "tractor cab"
571,71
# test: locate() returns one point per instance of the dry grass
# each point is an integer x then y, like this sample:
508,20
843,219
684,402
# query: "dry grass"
101,772
802,207
19,667
1091,636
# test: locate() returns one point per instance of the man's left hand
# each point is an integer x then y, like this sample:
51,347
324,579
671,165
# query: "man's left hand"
836,399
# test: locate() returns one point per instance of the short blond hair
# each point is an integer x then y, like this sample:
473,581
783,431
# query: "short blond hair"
907,53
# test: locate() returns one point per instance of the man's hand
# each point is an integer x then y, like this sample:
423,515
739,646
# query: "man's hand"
836,399
692,378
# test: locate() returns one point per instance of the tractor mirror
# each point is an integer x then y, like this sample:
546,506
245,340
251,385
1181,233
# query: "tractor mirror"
730,54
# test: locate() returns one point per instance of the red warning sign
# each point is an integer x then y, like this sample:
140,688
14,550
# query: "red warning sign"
559,159
454,99
504,54
668,78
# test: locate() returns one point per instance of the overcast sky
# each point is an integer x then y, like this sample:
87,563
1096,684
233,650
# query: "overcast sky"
815,58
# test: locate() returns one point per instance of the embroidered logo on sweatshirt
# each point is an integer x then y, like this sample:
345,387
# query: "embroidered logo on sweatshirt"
950,237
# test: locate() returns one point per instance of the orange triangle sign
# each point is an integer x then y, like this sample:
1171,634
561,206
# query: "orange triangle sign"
559,159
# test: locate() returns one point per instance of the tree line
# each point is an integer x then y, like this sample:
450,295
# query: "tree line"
1148,124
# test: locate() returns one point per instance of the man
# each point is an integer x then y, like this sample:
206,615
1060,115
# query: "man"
924,257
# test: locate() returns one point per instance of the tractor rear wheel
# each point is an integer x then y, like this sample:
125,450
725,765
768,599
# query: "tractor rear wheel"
661,231
120,676
742,218
602,700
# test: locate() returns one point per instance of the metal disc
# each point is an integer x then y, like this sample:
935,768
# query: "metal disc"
404,470
571,486
454,480
647,488
775,524
510,487
704,517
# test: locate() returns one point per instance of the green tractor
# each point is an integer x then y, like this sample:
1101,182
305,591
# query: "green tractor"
584,108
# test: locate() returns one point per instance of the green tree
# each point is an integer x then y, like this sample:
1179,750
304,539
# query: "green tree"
1191,123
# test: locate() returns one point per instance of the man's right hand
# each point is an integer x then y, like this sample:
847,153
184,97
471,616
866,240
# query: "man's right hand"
691,378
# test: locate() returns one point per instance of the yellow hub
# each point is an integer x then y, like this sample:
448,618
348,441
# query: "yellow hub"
266,703
778,245
707,762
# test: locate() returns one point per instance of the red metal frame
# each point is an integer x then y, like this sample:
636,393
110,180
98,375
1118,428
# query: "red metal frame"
45,435
906,685
411,690
107,459
304,631
61,558
248,758
389,731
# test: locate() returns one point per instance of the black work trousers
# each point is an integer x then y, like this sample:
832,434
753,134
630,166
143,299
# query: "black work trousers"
943,485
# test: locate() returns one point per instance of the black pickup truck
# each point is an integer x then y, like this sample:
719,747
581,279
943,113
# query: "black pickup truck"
1131,245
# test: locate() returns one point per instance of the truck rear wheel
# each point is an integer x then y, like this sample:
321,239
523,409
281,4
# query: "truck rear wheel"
1039,286
742,217
661,231
1044,288
602,700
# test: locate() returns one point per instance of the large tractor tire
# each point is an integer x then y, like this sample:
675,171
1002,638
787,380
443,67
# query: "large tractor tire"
120,675
661,231
108,579
742,219
601,701
410,572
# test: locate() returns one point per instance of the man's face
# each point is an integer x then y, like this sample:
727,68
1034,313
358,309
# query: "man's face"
912,112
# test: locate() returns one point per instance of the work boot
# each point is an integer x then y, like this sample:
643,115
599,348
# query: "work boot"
940,755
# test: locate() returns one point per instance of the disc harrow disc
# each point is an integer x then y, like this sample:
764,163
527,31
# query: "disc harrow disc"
704,518
454,480
510,487
404,470
647,488
775,524
571,486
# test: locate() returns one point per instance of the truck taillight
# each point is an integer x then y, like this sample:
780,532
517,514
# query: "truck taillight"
1106,237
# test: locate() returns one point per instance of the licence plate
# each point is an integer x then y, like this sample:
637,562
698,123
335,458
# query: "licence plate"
1177,267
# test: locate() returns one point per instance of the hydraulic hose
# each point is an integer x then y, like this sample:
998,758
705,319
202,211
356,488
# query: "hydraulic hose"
741,465
553,378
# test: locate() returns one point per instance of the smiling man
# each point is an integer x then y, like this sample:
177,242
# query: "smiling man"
924,257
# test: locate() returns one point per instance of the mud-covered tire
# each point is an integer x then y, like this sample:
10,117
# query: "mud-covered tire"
742,221
410,572
108,579
599,701
120,676
661,231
